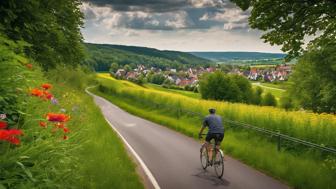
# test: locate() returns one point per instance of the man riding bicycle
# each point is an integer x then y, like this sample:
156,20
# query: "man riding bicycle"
216,130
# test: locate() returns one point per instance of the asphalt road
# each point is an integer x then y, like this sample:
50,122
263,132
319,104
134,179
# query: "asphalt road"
173,158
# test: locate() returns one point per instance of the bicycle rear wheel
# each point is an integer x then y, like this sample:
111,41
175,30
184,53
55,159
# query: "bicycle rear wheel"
219,164
204,157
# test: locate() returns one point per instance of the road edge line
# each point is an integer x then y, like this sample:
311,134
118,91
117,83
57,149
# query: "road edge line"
141,162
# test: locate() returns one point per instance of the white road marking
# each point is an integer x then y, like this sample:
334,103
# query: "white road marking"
129,124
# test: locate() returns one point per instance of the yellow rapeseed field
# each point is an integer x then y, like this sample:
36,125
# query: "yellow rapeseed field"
318,128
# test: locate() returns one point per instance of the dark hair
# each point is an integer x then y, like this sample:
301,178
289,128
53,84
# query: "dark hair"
212,110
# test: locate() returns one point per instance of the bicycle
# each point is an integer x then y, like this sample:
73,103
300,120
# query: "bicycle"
217,159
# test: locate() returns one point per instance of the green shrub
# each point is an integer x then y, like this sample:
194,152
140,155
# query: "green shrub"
269,100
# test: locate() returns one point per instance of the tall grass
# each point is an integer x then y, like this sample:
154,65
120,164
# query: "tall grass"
317,128
259,152
92,157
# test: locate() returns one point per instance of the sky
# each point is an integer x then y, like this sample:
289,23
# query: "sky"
182,25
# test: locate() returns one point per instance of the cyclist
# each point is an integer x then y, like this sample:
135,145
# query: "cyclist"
216,130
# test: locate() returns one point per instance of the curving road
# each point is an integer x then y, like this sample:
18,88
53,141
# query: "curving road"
173,158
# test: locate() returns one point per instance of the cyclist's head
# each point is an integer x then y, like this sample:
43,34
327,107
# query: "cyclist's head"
212,110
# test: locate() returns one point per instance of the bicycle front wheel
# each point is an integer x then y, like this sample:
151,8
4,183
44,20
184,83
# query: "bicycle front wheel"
204,157
219,164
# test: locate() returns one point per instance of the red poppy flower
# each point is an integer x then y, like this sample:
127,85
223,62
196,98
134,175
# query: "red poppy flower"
66,130
29,66
10,135
3,125
43,124
36,92
65,137
47,95
46,86
57,117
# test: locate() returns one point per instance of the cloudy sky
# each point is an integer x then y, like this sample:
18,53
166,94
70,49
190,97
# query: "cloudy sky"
183,25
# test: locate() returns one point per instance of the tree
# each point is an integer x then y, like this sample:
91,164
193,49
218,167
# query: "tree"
127,68
158,79
314,80
218,86
287,23
245,87
257,96
269,100
51,27
114,67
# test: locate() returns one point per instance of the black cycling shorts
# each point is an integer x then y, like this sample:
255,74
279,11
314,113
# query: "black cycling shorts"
218,137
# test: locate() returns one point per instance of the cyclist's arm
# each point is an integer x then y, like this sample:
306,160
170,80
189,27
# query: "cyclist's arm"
203,127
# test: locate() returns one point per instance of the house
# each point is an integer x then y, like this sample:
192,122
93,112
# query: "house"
131,75
120,73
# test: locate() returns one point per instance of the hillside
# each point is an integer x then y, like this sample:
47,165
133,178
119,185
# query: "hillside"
229,56
102,55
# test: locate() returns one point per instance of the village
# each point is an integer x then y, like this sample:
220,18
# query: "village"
190,76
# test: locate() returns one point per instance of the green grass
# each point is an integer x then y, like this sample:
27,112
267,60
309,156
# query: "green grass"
291,166
276,92
92,157
175,91
282,86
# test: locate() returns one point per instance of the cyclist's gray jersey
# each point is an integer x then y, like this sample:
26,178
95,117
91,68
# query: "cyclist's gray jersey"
214,123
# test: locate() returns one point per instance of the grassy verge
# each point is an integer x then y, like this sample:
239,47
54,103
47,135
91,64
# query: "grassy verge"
293,167
102,159
92,157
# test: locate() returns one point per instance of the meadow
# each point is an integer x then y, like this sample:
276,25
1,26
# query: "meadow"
292,164
82,152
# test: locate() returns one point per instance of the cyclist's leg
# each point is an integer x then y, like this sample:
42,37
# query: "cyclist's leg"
208,139
218,139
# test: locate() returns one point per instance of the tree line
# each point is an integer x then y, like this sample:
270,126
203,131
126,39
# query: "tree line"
233,88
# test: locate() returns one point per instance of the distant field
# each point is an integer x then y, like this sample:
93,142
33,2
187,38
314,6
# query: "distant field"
184,93
270,88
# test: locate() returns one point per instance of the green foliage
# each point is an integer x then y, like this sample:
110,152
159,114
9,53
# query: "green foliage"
231,88
314,80
287,23
14,78
114,67
51,27
286,102
78,77
257,96
157,79
101,56
127,68
269,100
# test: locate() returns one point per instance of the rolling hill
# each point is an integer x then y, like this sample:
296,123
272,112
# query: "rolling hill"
101,56
230,56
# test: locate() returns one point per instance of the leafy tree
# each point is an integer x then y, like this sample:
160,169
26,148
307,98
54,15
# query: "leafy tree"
218,86
269,100
158,79
127,68
314,80
288,22
245,87
51,27
114,67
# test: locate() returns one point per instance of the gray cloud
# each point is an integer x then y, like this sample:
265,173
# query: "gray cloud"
165,14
